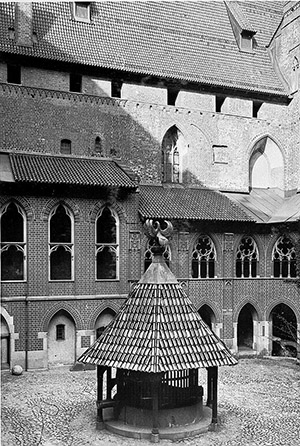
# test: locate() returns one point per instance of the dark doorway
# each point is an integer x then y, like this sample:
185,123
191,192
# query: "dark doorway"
245,332
284,331
207,315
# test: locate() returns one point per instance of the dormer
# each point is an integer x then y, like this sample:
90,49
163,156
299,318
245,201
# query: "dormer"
81,11
242,29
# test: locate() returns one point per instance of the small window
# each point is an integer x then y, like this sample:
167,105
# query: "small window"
82,11
255,108
65,147
116,87
13,74
172,95
246,41
98,145
219,103
60,332
75,82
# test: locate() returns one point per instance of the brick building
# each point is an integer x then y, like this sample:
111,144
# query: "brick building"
115,112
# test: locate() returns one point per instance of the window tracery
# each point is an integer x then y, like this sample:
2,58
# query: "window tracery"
284,258
204,258
107,245
13,243
247,258
61,245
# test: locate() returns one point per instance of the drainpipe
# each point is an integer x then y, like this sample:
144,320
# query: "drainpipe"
26,330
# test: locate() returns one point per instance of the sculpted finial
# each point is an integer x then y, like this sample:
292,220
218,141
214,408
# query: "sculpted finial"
154,232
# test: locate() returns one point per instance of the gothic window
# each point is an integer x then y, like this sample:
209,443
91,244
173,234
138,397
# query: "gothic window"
204,258
61,245
13,243
107,245
171,171
246,258
148,256
65,147
284,258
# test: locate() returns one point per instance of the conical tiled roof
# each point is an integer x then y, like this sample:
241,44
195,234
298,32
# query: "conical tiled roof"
158,329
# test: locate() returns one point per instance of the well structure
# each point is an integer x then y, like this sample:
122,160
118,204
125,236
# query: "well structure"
150,355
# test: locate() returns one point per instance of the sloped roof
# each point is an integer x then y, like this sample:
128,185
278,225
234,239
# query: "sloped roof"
53,169
182,40
266,206
158,329
170,203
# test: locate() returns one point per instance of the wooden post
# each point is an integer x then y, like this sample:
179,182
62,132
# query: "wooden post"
108,384
209,400
100,372
154,385
214,371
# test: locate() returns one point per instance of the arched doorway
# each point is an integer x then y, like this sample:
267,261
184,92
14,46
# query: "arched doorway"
283,323
61,339
5,344
246,329
208,316
103,320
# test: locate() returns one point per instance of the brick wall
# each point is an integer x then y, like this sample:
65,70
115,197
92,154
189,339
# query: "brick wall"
135,131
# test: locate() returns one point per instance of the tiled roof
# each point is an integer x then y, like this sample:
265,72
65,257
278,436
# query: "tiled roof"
239,16
50,169
187,203
183,40
266,206
158,329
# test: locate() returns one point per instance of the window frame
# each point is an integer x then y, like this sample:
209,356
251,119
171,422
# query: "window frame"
53,246
82,19
21,246
255,251
63,328
206,256
289,260
114,246
66,141
11,66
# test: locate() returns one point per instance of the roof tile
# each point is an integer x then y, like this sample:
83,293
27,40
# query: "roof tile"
185,40
49,169
187,203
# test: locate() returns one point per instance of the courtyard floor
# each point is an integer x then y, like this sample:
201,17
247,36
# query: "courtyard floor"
259,405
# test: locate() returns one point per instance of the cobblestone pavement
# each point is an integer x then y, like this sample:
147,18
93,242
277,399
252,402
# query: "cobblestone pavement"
259,405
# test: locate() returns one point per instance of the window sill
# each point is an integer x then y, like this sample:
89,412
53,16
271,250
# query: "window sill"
107,280
14,281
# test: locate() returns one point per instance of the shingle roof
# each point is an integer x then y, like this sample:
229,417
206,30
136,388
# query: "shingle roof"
183,40
187,203
50,169
158,329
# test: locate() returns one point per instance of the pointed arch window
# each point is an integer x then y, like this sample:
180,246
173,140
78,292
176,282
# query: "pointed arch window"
284,258
107,245
13,243
148,256
246,263
61,244
171,162
204,258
